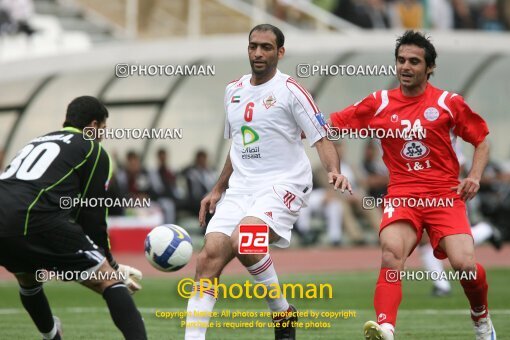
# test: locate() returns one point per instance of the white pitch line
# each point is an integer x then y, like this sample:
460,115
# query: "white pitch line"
83,310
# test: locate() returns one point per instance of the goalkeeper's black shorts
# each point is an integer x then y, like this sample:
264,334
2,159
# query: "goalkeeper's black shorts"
63,248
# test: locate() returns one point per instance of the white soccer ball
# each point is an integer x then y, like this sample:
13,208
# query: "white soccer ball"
168,247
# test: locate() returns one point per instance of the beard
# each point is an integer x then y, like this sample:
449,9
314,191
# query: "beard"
259,71
265,68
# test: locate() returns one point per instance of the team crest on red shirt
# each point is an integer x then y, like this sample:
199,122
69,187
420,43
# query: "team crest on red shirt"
394,118
431,114
414,149
269,101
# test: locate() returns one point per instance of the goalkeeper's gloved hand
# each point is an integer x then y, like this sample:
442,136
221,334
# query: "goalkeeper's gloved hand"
132,277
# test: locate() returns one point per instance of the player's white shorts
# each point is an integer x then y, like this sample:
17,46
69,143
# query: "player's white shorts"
278,206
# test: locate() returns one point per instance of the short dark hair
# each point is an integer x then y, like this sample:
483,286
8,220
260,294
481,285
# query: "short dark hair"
419,39
280,38
83,110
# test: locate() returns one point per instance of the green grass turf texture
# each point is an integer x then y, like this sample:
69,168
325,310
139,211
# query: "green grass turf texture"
421,316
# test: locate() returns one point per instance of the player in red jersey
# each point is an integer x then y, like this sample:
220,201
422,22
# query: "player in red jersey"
422,164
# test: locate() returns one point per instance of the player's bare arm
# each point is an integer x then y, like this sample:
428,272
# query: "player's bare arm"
331,162
470,185
210,200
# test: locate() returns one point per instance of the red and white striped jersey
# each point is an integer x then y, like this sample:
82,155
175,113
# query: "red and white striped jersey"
265,124
425,162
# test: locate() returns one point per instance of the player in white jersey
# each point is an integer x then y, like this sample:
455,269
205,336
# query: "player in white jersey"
266,179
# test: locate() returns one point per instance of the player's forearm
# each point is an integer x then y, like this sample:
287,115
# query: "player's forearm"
328,155
480,160
222,183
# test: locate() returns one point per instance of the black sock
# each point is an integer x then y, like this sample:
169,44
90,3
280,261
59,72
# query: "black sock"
36,304
124,313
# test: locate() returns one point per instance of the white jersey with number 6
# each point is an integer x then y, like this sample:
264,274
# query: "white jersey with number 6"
265,124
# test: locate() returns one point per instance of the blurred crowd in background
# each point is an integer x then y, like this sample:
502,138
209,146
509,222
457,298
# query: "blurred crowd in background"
177,193
331,218
489,15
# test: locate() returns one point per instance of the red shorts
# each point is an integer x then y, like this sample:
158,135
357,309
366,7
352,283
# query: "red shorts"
439,220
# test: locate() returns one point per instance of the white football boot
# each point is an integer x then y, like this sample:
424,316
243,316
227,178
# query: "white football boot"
373,331
484,330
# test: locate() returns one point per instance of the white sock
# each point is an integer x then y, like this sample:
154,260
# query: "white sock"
388,326
264,272
432,264
205,305
51,334
334,216
481,232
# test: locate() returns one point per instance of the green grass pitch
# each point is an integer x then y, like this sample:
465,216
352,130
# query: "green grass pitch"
84,314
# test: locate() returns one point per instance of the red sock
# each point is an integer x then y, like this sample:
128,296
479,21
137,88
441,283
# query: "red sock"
388,294
476,292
